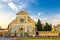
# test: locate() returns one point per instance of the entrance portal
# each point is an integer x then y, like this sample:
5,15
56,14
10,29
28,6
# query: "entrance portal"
59,34
21,32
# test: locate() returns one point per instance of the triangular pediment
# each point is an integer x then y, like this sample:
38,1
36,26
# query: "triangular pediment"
23,12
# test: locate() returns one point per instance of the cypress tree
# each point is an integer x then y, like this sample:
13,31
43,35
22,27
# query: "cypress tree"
47,27
39,25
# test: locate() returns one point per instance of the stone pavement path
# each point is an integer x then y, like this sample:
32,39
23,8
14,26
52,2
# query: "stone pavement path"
3,38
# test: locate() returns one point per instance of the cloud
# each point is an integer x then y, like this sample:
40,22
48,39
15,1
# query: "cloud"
7,0
54,22
1,6
21,6
53,19
38,16
5,19
13,6
17,7
28,1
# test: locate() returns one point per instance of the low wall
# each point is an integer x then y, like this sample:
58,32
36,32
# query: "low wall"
48,33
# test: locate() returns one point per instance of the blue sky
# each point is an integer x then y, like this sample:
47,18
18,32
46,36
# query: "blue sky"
45,10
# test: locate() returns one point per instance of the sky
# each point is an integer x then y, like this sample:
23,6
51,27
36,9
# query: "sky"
45,10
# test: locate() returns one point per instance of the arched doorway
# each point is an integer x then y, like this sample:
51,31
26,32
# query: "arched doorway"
15,33
21,32
59,34
37,33
0,34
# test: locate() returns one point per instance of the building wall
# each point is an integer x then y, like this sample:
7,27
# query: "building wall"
30,29
3,32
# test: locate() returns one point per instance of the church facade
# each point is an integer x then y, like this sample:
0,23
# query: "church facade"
22,25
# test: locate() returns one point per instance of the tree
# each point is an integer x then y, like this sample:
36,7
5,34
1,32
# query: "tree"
39,25
50,27
47,27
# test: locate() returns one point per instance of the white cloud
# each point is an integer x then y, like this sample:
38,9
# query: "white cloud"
5,19
21,6
17,7
7,0
55,19
28,1
1,6
13,6
38,16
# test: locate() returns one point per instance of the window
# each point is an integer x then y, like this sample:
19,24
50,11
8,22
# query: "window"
22,20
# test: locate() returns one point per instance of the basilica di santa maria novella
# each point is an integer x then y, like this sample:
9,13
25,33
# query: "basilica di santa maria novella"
22,25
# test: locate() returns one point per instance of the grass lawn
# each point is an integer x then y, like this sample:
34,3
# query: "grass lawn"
37,39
